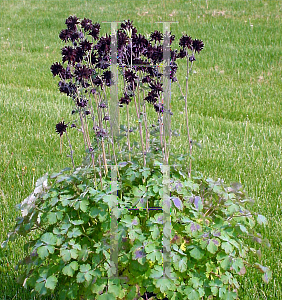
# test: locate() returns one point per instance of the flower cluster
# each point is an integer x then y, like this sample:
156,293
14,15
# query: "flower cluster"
85,72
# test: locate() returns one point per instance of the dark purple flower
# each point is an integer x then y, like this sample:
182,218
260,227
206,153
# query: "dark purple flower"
57,69
156,87
152,71
94,58
106,118
103,62
67,88
182,53
61,127
159,107
186,41
104,45
155,53
95,31
152,97
101,133
64,35
130,76
125,100
102,105
139,43
107,76
156,36
122,39
82,72
85,45
192,58
69,54
79,53
127,24
71,22
97,81
86,24
198,45
81,102
173,69
173,55
146,79
74,35
73,125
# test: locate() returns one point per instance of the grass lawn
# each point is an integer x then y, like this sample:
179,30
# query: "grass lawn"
235,105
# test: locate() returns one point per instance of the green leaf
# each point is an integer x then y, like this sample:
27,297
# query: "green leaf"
75,232
70,269
226,263
114,289
44,251
230,295
85,268
132,293
94,212
83,253
53,217
80,277
212,247
107,296
196,253
155,232
214,290
51,282
196,282
191,293
49,238
156,272
65,254
183,264
238,264
155,256
84,205
40,288
164,284
76,222
227,247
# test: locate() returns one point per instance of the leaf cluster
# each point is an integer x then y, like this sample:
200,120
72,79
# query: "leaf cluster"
69,228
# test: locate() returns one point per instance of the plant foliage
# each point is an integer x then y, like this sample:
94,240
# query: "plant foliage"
68,224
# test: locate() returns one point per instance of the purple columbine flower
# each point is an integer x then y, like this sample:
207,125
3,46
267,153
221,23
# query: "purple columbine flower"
61,127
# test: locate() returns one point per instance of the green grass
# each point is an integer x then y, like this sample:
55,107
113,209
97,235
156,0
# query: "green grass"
234,105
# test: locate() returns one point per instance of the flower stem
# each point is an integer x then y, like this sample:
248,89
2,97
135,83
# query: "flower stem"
83,131
128,139
71,151
146,124
186,114
140,130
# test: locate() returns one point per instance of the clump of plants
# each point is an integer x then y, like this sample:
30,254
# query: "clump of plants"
132,220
